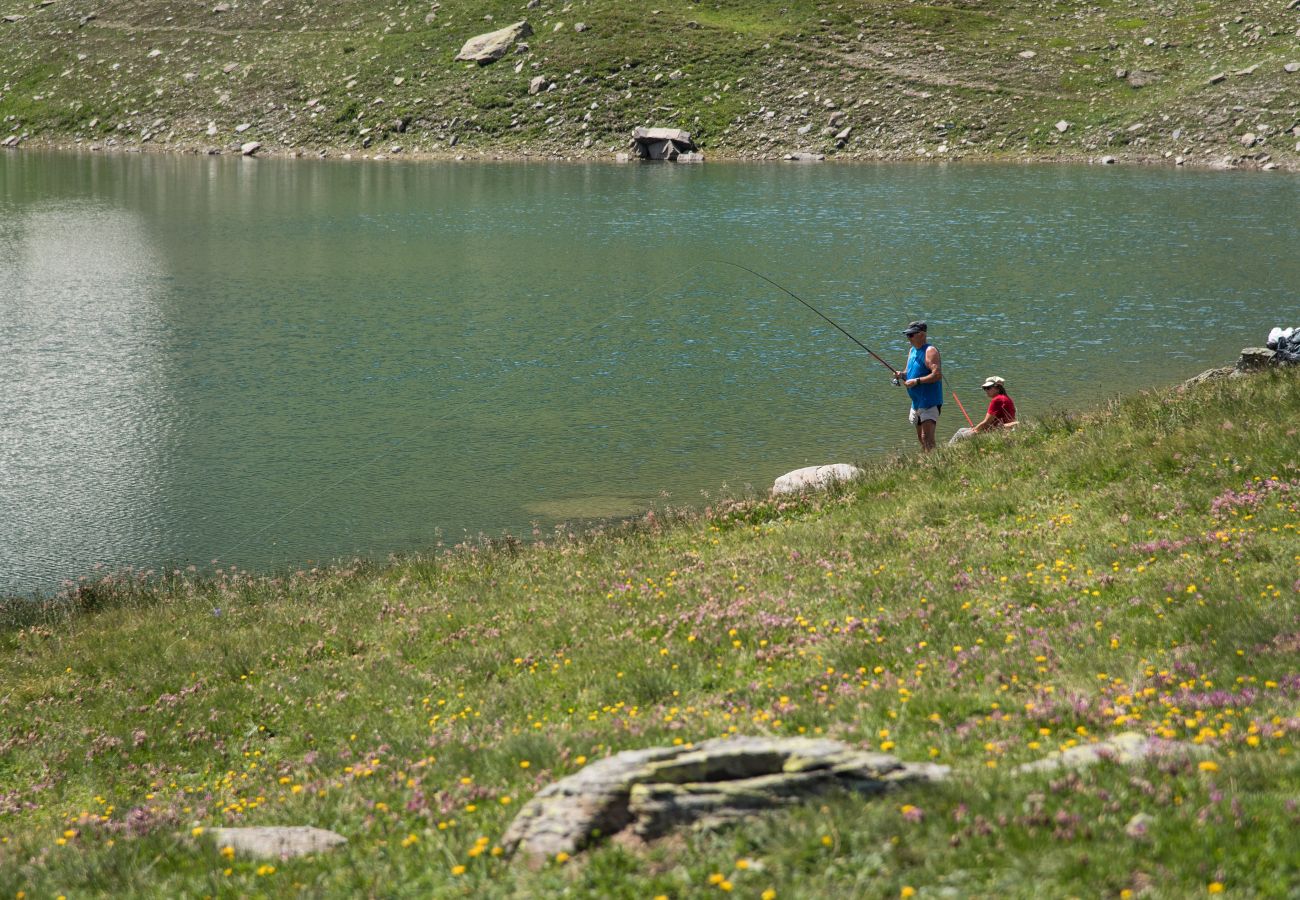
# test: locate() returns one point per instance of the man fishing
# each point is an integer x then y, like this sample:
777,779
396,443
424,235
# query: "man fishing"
924,382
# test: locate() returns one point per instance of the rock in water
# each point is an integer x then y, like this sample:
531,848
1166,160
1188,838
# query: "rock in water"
486,48
277,842
654,790
813,478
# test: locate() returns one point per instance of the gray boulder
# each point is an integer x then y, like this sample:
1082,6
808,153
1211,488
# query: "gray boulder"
277,842
661,143
652,791
486,48
814,478
1256,358
1126,748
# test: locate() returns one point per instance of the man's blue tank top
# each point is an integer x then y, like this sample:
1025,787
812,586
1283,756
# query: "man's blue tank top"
922,395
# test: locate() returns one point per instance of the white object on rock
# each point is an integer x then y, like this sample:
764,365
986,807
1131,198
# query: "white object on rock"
814,478
277,842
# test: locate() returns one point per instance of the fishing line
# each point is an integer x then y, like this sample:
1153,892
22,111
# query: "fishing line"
354,472
724,262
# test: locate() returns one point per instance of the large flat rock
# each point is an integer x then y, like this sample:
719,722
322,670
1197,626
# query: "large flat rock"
277,842
486,48
655,790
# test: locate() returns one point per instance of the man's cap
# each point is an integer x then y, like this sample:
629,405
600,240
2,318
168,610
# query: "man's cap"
914,328
993,381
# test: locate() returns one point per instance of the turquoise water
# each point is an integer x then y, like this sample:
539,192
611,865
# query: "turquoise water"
266,362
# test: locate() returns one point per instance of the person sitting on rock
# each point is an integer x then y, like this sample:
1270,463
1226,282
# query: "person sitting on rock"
1001,413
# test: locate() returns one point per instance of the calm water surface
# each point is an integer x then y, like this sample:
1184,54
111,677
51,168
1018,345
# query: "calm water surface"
270,362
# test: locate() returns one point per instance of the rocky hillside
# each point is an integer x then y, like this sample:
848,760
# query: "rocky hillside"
1210,83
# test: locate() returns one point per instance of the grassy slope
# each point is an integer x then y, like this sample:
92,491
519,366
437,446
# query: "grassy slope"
744,75
1137,568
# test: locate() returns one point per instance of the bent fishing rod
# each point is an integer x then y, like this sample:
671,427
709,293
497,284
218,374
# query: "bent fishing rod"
892,371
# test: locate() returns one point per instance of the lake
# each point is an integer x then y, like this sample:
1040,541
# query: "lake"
271,363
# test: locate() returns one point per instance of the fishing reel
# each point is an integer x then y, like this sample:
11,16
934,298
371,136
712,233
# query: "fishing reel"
895,382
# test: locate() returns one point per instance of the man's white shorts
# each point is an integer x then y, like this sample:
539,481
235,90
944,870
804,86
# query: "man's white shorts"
924,414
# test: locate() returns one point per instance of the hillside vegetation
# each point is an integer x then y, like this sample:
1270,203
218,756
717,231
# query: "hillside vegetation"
1184,79
1134,569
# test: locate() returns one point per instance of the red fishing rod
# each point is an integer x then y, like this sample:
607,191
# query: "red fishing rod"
826,318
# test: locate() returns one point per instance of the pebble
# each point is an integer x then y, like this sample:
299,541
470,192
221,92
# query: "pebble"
1063,126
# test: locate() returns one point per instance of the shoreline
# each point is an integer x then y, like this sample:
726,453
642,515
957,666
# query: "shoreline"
581,529
1225,163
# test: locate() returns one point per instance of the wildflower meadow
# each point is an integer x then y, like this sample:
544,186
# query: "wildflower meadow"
1134,568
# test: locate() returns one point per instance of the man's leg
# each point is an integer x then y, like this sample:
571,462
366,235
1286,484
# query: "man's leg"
925,431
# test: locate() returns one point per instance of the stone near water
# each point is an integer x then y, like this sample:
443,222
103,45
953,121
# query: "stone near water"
250,148
486,48
1128,747
652,791
1108,160
277,842
661,143
1253,358
805,157
813,478
1248,139
1209,375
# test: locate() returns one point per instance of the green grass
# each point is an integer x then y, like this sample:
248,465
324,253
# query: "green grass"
958,63
1135,568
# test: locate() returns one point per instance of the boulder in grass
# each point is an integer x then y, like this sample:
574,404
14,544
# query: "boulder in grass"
486,48
649,792
814,478
277,842
1124,749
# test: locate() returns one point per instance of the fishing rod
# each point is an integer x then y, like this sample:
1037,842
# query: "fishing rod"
892,371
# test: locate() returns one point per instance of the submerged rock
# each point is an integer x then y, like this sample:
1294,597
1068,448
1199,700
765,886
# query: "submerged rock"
649,792
814,478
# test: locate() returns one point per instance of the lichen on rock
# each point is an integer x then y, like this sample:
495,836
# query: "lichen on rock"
650,792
